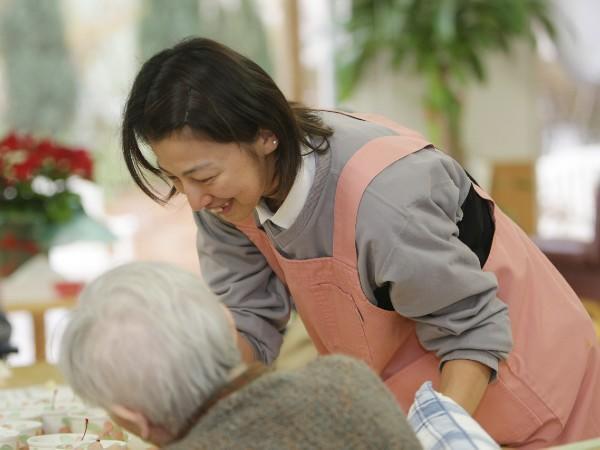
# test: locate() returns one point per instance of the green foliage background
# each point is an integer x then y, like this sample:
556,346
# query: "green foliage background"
164,25
443,42
39,73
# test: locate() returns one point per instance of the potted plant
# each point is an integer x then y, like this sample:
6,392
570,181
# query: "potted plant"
442,41
36,198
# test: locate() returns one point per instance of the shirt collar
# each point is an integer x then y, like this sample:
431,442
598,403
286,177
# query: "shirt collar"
290,209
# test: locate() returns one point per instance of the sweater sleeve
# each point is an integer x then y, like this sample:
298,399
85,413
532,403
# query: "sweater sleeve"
237,272
433,278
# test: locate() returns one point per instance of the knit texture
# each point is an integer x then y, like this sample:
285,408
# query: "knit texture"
335,402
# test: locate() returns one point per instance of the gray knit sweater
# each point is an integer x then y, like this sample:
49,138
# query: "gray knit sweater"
334,402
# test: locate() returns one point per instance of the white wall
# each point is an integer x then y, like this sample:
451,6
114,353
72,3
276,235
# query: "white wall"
501,117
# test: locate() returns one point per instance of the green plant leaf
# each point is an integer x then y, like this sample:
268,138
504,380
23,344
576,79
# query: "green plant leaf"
474,63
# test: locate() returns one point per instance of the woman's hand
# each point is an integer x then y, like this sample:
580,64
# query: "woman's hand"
465,382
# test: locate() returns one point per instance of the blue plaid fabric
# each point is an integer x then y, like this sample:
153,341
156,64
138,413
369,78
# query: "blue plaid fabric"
441,424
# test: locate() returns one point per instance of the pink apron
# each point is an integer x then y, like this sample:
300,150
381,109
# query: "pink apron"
547,391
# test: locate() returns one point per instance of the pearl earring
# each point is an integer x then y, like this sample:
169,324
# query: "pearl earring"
274,141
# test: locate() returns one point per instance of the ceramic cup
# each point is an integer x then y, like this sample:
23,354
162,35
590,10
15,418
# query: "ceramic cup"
8,439
53,441
24,428
98,423
56,421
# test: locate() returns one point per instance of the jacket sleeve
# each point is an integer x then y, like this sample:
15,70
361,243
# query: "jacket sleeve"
433,277
237,272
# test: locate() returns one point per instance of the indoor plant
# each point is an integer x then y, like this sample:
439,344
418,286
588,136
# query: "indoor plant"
443,41
36,198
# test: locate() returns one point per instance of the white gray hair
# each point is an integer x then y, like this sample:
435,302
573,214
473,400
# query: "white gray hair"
152,338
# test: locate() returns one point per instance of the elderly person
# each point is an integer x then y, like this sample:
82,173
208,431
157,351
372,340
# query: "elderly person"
151,345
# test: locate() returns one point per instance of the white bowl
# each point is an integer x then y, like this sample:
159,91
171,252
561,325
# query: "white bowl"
99,423
52,441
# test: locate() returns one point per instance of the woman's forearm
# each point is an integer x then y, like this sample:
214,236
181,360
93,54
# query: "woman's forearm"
465,382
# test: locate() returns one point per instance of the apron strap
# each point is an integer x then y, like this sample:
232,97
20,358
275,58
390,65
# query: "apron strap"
261,241
356,175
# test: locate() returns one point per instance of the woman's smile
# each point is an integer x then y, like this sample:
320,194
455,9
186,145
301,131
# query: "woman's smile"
222,209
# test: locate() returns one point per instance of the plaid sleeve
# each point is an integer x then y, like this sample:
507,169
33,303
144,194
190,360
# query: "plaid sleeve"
441,424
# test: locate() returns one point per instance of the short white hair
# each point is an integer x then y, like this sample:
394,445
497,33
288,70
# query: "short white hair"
150,337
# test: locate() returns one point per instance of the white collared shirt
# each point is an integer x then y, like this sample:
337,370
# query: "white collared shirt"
289,210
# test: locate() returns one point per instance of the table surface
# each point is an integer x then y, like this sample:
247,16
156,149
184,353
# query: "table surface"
39,373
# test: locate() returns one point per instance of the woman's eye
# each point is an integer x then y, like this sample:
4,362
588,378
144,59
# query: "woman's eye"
206,180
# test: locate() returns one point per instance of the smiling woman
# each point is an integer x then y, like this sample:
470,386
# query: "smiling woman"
387,249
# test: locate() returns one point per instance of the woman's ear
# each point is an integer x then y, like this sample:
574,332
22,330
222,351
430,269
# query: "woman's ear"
266,142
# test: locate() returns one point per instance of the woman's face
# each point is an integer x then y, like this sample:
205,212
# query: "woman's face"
227,179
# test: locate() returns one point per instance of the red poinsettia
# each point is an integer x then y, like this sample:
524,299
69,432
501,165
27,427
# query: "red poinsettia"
22,158
35,198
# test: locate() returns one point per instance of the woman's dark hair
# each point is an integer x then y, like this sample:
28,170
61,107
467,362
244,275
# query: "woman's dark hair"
221,94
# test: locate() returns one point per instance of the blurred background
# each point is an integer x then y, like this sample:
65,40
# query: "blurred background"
511,88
